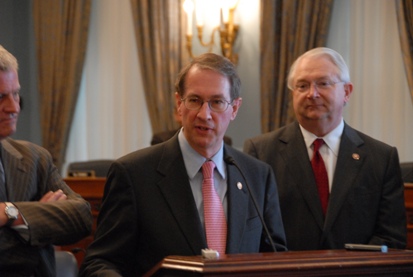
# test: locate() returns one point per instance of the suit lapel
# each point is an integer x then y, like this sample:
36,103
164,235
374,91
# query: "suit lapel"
238,201
15,172
178,194
349,161
295,156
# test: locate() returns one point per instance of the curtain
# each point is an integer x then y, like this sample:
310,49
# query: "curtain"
404,10
111,117
365,34
61,28
159,36
288,29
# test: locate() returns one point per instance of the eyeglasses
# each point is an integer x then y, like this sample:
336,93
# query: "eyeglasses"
321,85
216,104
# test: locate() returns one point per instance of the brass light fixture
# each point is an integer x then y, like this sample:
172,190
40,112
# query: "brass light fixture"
227,29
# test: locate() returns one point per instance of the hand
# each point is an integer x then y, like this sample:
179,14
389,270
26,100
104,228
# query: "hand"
53,196
3,217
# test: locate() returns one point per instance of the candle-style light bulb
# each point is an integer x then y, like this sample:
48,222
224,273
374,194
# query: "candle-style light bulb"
199,12
189,9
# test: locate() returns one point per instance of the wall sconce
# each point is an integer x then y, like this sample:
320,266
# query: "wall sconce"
226,29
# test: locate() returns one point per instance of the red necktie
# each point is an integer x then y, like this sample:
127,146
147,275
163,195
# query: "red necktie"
215,221
320,174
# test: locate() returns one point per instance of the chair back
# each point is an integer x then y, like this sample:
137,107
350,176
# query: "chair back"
407,172
92,168
66,264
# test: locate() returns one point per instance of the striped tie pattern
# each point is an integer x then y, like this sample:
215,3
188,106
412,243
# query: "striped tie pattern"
3,191
320,174
215,221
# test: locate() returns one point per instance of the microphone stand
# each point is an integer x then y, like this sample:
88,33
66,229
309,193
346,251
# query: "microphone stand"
230,160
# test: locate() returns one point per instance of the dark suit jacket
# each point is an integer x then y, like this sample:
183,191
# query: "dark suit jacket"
366,202
149,212
30,173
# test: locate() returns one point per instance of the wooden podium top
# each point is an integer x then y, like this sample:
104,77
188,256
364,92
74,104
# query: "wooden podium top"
91,187
292,263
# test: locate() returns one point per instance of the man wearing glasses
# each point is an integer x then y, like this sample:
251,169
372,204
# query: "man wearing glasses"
191,192
336,184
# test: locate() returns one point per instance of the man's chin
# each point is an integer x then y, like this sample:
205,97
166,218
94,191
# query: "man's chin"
4,133
315,115
203,141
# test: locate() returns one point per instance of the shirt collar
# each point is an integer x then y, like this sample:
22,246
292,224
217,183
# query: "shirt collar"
194,161
332,139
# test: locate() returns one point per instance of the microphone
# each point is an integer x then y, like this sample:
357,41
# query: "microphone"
230,160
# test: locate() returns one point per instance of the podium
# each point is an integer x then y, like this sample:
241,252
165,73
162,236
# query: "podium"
91,189
292,263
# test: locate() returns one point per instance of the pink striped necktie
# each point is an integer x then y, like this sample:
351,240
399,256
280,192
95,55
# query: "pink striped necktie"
320,174
215,221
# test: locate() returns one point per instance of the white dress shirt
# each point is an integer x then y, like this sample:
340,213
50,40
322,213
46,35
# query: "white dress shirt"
329,150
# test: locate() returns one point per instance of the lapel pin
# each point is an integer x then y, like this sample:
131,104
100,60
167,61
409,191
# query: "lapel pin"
239,185
356,156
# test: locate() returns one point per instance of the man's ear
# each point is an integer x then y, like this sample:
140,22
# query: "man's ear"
235,107
178,102
348,89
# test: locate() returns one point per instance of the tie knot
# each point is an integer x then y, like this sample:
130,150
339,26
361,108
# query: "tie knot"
317,144
208,169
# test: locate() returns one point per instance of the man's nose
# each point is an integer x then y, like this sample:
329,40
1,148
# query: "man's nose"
11,104
313,90
204,110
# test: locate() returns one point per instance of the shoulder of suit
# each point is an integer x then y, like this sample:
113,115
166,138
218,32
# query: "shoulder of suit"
361,139
273,135
23,146
243,158
154,152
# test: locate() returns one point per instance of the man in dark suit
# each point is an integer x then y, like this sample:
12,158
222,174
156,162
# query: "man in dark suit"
153,202
365,189
37,209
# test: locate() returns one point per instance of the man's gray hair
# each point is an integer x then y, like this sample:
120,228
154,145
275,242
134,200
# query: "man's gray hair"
7,60
333,56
